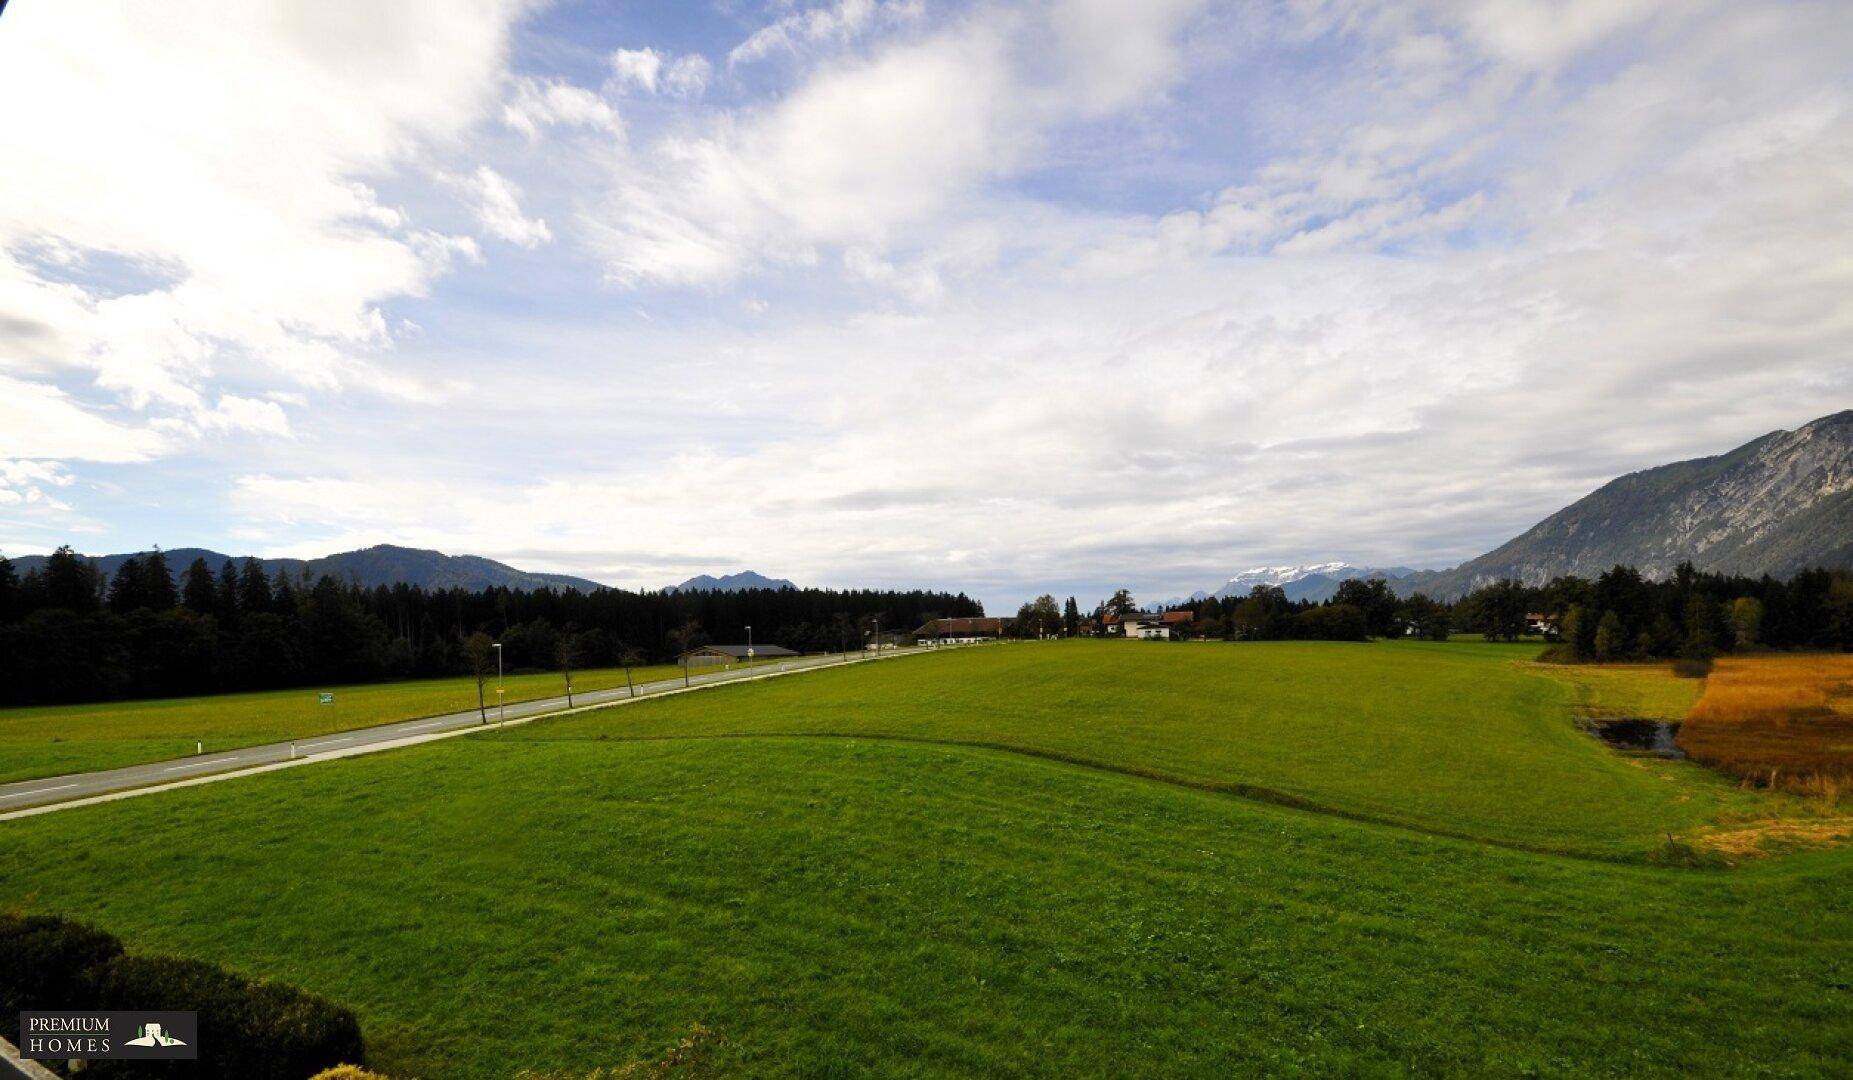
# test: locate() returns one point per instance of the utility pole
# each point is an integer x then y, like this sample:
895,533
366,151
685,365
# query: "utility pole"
501,703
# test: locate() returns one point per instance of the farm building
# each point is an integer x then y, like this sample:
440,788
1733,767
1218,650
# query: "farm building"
733,654
959,631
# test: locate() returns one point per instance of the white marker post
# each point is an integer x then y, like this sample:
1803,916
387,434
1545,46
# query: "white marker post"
501,707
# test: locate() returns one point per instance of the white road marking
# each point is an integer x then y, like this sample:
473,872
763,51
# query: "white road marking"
38,791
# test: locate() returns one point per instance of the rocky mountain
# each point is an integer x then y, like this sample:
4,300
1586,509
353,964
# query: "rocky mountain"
1314,581
382,564
1776,505
740,582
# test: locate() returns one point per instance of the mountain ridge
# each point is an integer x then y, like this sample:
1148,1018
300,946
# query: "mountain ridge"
740,582
381,564
1779,504
1307,581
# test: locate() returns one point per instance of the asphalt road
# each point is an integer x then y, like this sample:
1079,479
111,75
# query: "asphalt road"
54,789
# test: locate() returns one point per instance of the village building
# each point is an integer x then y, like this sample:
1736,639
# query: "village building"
967,631
1146,625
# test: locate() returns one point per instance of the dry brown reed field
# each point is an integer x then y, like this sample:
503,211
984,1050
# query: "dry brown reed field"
1780,721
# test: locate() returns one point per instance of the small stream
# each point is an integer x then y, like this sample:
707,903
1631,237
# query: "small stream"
1653,737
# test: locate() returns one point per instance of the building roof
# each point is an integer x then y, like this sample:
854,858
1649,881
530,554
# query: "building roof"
1172,618
960,627
738,652
1132,617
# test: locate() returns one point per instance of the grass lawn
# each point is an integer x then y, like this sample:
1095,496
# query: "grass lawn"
49,740
952,898
1460,738
838,907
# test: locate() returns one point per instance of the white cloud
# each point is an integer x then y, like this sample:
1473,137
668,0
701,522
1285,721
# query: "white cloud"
41,422
864,151
652,72
688,76
202,176
835,24
1543,33
496,201
534,104
638,68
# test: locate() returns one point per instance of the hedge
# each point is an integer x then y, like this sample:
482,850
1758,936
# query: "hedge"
44,961
249,1029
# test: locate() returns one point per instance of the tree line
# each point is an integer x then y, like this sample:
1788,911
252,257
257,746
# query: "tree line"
1620,615
1623,615
69,634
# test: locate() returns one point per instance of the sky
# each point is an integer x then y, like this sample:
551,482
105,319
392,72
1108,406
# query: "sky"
998,297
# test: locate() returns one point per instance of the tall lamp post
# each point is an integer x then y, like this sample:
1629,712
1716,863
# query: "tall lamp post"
749,646
501,703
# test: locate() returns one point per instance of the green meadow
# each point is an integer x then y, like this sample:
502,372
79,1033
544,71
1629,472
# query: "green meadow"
49,740
1463,739
1631,691
1076,859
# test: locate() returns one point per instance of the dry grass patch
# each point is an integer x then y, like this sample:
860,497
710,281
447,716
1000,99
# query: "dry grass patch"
1776,837
1778,721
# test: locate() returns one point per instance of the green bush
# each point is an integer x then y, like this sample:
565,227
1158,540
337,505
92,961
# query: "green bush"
248,1029
1562,653
1690,668
44,961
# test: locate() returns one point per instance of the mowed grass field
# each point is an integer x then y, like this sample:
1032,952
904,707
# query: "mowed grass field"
50,740
580,893
1464,739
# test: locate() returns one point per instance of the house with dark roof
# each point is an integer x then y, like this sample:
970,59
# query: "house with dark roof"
1145,624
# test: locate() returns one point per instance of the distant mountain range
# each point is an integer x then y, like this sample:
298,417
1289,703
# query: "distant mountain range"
740,582
388,564
1776,505
1315,582
382,564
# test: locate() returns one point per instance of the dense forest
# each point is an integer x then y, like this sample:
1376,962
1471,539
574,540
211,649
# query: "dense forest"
68,635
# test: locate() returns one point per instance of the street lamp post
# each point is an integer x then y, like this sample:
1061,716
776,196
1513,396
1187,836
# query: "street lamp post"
749,646
501,703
